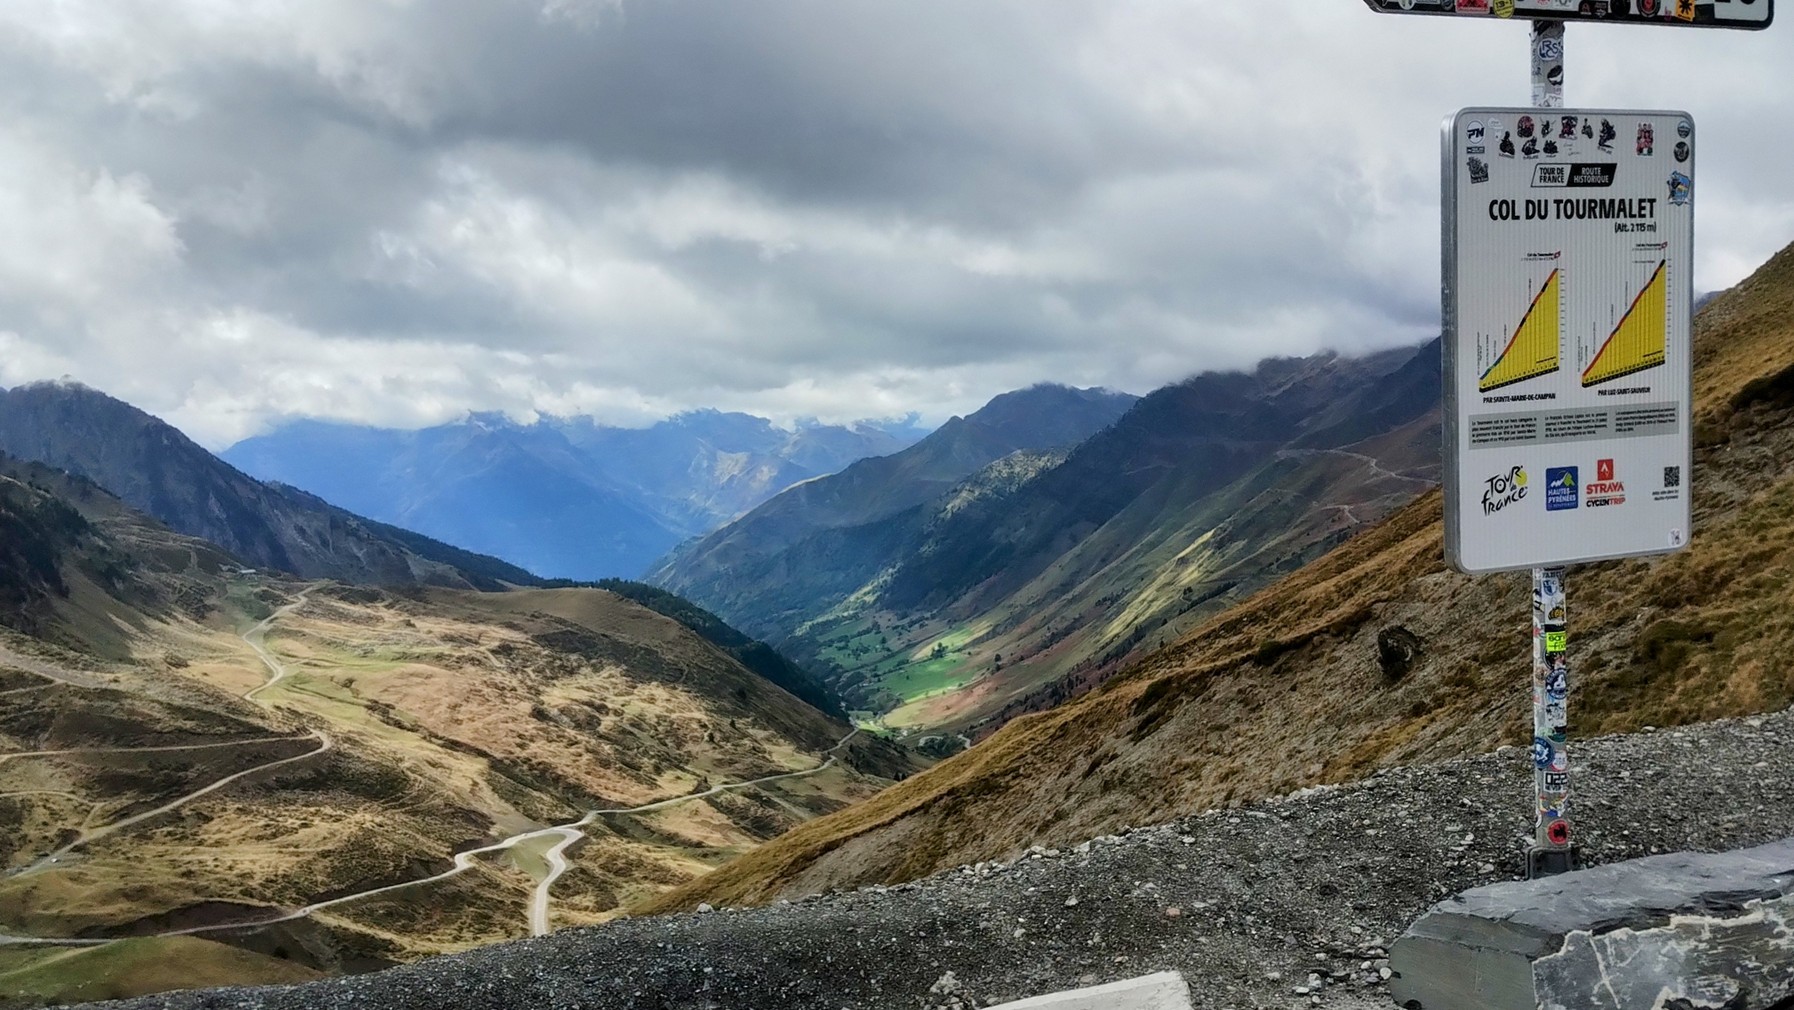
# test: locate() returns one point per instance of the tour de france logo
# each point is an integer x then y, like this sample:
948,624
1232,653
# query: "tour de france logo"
1503,490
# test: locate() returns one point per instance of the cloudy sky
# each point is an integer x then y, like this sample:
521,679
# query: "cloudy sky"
232,212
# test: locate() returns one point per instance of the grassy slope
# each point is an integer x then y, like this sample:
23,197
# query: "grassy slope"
135,968
753,654
1285,690
1067,613
1160,568
701,667
456,718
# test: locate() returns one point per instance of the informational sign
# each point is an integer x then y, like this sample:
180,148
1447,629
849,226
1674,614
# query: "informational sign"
1749,14
1569,243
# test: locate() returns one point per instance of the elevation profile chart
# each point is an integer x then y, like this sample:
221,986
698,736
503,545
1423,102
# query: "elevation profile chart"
1534,347
1639,339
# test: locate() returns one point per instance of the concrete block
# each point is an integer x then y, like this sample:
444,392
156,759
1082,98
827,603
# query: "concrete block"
1677,932
1164,991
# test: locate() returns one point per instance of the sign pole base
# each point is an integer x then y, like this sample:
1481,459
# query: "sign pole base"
1542,862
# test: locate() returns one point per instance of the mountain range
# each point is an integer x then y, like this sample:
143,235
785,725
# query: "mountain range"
824,538
562,497
946,585
1374,655
1229,589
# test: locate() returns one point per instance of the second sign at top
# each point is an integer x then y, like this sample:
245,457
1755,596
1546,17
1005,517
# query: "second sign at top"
1748,14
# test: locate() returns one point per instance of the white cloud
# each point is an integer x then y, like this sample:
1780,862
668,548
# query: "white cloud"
75,235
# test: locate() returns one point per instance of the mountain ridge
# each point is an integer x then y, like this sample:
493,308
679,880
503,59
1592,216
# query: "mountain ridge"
563,496
152,466
877,489
944,607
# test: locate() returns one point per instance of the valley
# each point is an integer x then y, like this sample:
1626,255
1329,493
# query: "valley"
603,505
1006,582
355,779
274,777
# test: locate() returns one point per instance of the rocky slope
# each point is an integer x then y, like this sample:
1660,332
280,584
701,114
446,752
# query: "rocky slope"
79,568
1280,903
161,472
1375,655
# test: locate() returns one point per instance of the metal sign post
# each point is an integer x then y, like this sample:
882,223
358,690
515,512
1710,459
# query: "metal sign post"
1568,296
1551,851
1569,249
1548,64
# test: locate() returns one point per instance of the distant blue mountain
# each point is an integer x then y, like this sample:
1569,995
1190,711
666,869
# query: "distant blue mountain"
563,497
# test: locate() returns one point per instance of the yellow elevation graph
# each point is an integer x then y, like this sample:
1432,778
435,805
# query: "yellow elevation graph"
1640,339
1533,349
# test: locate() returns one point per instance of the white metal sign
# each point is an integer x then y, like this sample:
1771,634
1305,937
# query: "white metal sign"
1748,14
1569,244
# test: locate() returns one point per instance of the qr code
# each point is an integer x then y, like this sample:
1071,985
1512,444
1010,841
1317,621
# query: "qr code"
1672,476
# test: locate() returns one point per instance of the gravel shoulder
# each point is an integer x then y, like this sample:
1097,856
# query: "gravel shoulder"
1287,903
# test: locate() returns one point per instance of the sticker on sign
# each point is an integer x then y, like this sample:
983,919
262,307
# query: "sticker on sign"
1568,297
1746,14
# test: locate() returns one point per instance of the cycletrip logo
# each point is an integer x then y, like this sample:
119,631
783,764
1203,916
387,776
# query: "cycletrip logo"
1503,490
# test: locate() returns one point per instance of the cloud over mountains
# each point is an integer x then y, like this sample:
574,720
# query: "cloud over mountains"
392,212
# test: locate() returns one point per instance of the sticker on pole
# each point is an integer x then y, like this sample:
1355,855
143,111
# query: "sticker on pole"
1569,248
1558,833
1747,14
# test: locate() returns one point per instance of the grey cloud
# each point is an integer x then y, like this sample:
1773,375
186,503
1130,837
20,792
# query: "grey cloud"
396,212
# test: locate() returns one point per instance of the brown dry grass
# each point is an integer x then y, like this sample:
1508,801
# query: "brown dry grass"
1284,691
458,719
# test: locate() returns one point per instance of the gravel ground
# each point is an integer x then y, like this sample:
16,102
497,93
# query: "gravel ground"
1287,903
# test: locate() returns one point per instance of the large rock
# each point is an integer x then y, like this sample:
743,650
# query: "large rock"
1675,932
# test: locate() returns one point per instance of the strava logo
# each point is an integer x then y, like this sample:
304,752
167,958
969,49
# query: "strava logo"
1606,488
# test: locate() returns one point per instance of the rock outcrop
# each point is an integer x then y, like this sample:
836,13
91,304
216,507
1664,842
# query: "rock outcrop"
1685,931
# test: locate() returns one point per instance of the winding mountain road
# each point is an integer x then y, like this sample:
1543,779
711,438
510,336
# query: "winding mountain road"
144,750
1375,465
463,861
91,835
570,833
259,643
556,855
95,834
